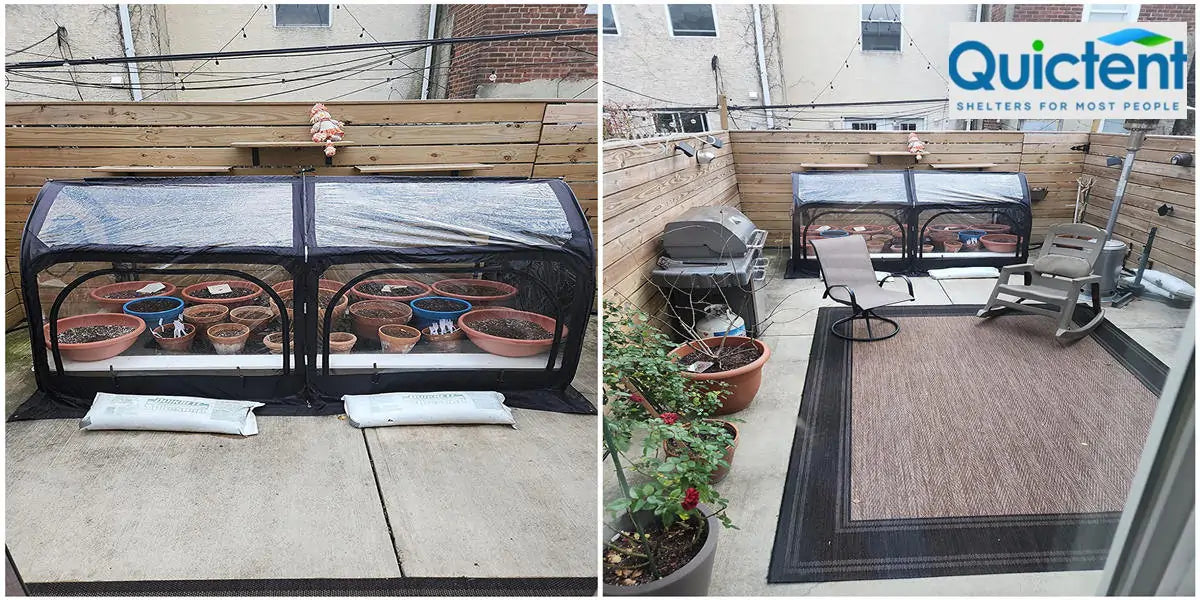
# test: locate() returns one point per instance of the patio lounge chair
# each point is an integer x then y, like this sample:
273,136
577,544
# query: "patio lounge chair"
850,279
1055,278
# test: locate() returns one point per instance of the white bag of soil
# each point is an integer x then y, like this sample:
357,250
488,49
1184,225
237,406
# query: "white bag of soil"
170,413
428,408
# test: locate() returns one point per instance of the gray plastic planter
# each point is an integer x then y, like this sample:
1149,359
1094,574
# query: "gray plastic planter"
690,580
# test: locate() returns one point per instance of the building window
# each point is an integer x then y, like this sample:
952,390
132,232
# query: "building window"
1040,124
609,21
692,20
680,122
302,15
1111,13
906,126
881,27
863,126
884,124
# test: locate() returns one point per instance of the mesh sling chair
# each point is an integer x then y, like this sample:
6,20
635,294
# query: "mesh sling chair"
850,279
1055,278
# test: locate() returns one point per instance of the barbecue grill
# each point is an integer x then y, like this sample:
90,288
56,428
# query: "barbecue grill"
713,255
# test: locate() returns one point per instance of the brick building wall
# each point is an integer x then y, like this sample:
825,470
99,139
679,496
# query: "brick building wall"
523,60
1149,13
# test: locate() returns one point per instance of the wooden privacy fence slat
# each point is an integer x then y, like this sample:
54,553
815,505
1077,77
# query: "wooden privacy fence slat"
517,138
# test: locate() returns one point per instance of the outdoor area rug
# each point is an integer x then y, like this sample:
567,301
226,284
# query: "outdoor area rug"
961,446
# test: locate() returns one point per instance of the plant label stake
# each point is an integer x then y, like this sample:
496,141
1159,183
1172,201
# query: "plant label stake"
442,327
387,289
150,288
699,366
219,289
179,330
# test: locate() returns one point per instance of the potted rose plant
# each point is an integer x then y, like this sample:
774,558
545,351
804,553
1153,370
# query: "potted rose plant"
668,515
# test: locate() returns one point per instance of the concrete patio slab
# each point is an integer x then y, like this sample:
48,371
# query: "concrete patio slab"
492,501
1143,312
297,500
1159,341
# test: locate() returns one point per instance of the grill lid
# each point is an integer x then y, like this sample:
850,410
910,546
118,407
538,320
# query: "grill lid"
711,231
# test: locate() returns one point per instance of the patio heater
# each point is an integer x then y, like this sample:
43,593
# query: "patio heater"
1112,256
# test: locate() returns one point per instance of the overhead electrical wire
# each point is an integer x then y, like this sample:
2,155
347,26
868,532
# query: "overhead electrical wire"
27,48
637,93
241,30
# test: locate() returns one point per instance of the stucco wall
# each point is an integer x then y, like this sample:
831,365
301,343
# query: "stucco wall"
815,38
645,58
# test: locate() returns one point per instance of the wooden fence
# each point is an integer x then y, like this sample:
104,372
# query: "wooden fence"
521,138
646,185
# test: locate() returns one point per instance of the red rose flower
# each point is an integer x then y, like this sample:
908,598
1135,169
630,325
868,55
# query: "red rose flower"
669,418
690,499
636,397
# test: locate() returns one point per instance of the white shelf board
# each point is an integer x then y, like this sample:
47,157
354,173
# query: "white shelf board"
432,361
176,362
274,362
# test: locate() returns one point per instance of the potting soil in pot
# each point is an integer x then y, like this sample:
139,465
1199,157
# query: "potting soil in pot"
129,294
513,329
377,313
726,358
673,549
227,333
234,292
439,305
467,289
92,333
376,289
153,306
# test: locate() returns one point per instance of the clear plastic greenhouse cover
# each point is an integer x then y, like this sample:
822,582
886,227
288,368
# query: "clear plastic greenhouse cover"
959,188
447,213
851,188
183,215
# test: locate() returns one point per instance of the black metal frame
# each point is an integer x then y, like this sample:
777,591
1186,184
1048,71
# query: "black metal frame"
302,389
865,315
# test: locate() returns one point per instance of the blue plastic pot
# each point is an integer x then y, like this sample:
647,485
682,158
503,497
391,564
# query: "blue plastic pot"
834,233
970,238
424,318
152,319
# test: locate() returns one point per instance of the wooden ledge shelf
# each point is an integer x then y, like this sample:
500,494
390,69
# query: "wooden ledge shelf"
256,146
453,168
134,169
947,166
286,144
834,165
879,154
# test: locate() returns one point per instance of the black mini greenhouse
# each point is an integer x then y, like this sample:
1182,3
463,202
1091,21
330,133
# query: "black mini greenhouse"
225,287
913,220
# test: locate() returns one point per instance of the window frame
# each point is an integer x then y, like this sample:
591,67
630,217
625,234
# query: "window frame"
885,123
671,25
677,118
616,24
275,18
1132,13
899,20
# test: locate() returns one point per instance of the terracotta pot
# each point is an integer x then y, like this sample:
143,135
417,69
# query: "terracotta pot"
444,342
365,327
503,291
949,227
274,342
898,249
102,349
743,382
939,237
204,316
229,302
875,247
692,579
501,346
993,228
115,304
881,237
324,284
399,339
867,230
952,246
232,344
323,296
926,248
1000,242
163,334
253,317
721,472
340,342
358,294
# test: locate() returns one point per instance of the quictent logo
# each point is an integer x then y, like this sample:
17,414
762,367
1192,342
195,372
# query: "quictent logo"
1067,70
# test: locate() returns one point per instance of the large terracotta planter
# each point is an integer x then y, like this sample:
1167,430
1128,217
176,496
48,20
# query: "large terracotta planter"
692,579
324,284
502,291
721,472
993,228
367,327
115,304
102,349
190,291
359,294
204,316
1000,242
742,382
324,295
502,346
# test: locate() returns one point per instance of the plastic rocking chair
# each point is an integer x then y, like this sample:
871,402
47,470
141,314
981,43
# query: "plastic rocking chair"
850,279
1055,278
